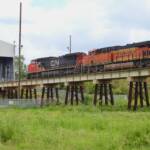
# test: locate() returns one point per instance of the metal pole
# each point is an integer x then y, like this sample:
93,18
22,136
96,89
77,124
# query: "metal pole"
14,60
19,75
70,43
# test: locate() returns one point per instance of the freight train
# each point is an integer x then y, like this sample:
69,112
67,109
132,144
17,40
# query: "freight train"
133,55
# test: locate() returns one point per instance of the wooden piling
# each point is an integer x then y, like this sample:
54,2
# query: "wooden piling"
35,94
106,94
101,94
141,93
67,95
111,94
76,95
30,90
42,98
82,94
130,94
95,94
57,95
72,94
27,93
48,96
22,93
146,94
136,96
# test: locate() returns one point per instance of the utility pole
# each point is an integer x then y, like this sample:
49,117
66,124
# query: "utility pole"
70,44
70,39
14,60
19,65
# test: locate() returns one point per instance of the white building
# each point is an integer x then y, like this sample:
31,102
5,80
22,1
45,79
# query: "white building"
7,54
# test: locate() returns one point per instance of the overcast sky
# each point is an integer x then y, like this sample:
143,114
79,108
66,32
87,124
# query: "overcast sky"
92,24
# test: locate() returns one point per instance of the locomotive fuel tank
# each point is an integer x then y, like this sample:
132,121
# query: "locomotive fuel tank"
118,66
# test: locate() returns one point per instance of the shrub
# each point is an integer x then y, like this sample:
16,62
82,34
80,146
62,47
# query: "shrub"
6,133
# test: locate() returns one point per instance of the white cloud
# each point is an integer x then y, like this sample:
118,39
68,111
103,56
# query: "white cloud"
92,23
137,35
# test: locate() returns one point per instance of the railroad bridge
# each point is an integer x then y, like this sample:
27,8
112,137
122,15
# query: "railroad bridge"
137,79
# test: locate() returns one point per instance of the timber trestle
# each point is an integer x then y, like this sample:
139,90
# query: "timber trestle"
138,93
10,93
103,93
49,95
29,93
74,92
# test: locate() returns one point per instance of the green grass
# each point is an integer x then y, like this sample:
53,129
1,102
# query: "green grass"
83,127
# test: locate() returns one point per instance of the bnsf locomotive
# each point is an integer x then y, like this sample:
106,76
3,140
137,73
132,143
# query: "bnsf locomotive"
98,60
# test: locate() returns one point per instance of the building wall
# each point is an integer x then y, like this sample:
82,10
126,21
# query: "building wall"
7,54
6,49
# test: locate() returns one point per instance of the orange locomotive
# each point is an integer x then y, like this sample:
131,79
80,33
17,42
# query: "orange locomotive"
119,57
